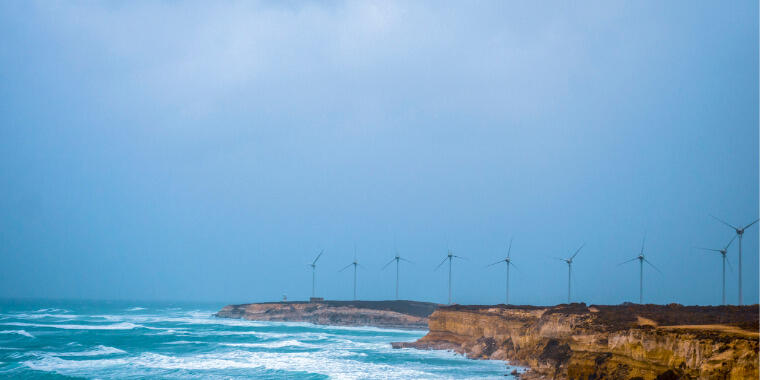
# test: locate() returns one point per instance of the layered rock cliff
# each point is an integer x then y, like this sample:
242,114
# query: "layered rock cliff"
389,314
604,342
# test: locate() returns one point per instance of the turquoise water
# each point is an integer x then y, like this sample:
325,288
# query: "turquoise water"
138,340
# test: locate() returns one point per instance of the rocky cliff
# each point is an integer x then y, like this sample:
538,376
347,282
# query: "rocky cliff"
604,342
389,314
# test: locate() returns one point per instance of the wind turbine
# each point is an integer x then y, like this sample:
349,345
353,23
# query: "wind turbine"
722,253
313,272
355,264
509,262
449,257
569,262
740,233
396,259
642,260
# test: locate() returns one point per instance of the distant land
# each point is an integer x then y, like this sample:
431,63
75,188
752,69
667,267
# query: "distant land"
569,341
386,314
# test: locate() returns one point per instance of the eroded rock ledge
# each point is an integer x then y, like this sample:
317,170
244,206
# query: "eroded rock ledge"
604,342
388,314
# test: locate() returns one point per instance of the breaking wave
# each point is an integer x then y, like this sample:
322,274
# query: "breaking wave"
19,332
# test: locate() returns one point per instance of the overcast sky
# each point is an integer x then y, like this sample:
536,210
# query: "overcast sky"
207,151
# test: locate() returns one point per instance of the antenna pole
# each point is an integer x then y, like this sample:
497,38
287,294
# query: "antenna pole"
449,280
397,278
641,281
741,234
724,279
507,283
354,281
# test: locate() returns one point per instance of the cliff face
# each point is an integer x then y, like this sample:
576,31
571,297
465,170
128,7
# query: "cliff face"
389,314
604,342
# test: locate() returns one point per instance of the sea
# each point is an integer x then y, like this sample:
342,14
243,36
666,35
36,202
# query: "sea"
136,340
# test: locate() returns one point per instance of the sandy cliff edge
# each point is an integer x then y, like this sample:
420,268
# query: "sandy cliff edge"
626,341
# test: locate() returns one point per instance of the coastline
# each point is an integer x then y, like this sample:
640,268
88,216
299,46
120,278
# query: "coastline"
569,341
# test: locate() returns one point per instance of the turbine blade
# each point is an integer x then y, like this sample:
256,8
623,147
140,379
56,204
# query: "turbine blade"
318,256
500,261
346,267
576,252
509,251
652,265
460,257
708,249
513,264
750,225
729,243
723,221
729,265
408,261
628,261
644,239
444,260
389,263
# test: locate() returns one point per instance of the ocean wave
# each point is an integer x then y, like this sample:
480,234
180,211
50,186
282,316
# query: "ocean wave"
136,308
312,362
51,310
19,332
185,342
348,328
97,351
43,315
115,326
275,344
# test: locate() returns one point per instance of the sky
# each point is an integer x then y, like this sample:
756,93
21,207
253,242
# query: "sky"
208,151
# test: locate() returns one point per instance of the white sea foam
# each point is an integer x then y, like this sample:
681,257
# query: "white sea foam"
185,342
275,344
136,308
43,315
349,328
19,332
115,326
321,363
51,310
97,351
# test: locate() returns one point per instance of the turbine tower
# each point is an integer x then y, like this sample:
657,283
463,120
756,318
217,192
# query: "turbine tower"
722,253
740,234
569,262
355,264
396,259
449,257
313,273
642,260
508,261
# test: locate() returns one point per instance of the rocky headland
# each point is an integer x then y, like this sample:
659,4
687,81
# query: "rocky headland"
387,314
627,341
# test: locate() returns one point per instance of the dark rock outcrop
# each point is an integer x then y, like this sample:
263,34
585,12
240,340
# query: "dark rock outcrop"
389,314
